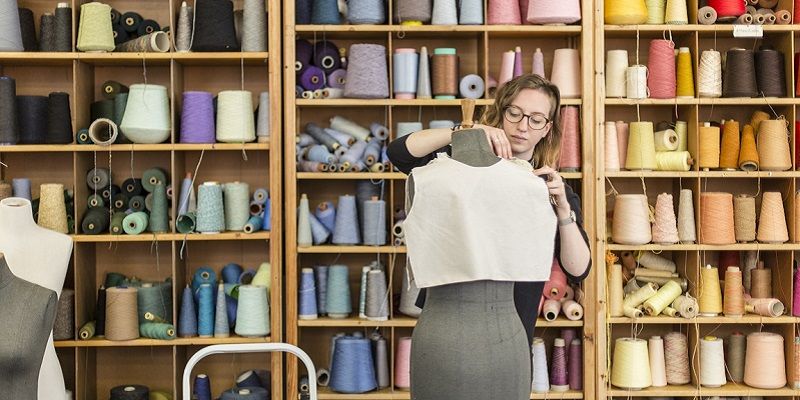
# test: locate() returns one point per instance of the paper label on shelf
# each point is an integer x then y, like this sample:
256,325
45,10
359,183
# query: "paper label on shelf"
748,31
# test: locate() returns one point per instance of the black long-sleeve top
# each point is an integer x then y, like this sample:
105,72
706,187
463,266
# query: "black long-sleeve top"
526,294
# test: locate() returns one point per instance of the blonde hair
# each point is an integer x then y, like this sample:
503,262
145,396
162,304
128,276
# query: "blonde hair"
548,150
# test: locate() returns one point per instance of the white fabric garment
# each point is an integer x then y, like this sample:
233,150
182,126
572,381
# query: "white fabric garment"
479,223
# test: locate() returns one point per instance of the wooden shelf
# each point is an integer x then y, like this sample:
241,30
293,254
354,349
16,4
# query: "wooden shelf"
165,237
325,393
334,249
746,319
731,389
667,391
144,342
522,29
350,175
702,174
68,148
408,322
738,101
401,103
693,28
708,247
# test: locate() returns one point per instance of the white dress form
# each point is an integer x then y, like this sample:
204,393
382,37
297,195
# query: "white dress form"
39,256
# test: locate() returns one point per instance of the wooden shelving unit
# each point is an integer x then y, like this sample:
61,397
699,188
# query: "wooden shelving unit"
691,257
94,366
479,48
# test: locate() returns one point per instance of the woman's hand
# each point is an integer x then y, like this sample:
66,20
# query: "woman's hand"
497,139
555,185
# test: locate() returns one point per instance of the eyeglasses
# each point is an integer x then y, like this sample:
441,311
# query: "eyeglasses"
536,121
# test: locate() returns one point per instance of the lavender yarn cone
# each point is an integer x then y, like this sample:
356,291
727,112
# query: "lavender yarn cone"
197,118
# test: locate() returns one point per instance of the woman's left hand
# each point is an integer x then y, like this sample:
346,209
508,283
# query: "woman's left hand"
555,185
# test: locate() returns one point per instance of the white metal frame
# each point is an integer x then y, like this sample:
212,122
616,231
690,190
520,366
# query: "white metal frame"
249,348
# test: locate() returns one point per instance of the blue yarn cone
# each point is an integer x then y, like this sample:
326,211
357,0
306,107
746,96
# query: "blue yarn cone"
338,301
308,295
205,311
202,387
346,229
187,323
232,305
231,272
203,275
327,216
221,328
353,370
321,273
266,225
325,12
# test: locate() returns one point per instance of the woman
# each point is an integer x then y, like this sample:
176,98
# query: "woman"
522,123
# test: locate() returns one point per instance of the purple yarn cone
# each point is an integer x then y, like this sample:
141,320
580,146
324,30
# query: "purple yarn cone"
558,368
576,365
197,118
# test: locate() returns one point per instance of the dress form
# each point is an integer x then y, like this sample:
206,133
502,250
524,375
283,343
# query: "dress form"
39,256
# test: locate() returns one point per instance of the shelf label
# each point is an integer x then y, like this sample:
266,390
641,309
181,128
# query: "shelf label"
748,31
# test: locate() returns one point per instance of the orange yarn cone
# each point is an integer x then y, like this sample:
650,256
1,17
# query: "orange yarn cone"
729,155
756,119
748,153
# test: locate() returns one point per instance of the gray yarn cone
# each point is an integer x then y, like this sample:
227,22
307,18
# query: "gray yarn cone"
254,29
424,75
183,38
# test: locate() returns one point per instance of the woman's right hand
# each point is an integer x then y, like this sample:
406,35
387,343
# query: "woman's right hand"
497,139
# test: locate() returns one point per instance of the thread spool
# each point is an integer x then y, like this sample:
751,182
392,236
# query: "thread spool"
121,311
676,351
706,15
635,299
346,228
764,362
744,218
9,125
558,371
773,146
616,69
663,298
748,152
661,64
761,282
367,73
252,316
641,147
657,362
307,292
551,309
210,211
147,115
673,161
709,74
709,146
611,148
631,224
32,115
444,73
712,362
739,80
405,63
570,159
729,154
765,307
717,218
377,304
770,73
566,72
555,287
665,229
710,296
373,228
772,220
541,380
631,368
734,357
135,392
338,292
94,32
52,207
733,301
471,87
615,290
625,13
156,42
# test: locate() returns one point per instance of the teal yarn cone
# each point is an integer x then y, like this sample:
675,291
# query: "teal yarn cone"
186,222
135,223
210,212
151,177
157,330
252,314
203,275
237,205
187,321
221,329
159,221
338,302
114,279
205,310
253,224
136,203
156,300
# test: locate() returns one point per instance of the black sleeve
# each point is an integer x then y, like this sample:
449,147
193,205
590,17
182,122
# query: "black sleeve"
575,204
398,154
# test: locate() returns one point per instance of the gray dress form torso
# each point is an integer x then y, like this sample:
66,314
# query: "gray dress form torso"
27,312
469,342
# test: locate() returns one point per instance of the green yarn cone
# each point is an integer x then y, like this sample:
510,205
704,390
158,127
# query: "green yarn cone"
116,223
135,223
158,215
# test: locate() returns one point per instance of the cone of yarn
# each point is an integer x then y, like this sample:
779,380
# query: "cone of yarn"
237,204
658,368
665,228
367,72
764,365
147,114
556,287
616,69
541,380
729,153
685,76
772,220
307,292
159,213
566,72
210,211
622,142
740,76
235,119
213,26
615,292
709,146
765,307
631,367
52,207
655,11
545,13
504,12
661,80
796,231
734,357
631,224
733,300
558,367
676,13
712,362
304,237
444,12
570,159
758,117
622,12
709,292
716,218
761,282
611,148
347,230
773,146
641,153
744,212
676,352
748,153
95,32
537,67
686,224
121,314
709,74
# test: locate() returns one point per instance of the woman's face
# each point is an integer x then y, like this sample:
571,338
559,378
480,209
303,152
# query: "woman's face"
522,137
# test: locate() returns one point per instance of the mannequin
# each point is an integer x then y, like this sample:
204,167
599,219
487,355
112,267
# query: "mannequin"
461,349
28,313
39,256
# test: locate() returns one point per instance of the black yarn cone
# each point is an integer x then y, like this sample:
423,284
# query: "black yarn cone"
214,27
59,119
32,117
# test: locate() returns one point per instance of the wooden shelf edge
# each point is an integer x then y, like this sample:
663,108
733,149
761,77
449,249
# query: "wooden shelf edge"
408,322
707,247
334,249
390,394
64,148
731,389
747,319
165,237
144,342
703,174
401,103
349,175
735,101
307,28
